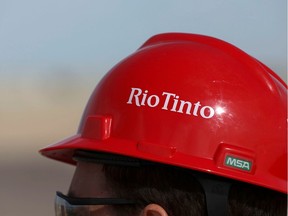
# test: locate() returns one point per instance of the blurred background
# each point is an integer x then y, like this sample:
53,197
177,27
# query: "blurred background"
53,53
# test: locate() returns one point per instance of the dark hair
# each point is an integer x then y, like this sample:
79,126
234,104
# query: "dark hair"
249,200
175,189
179,193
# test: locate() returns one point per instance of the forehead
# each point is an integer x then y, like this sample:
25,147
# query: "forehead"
89,181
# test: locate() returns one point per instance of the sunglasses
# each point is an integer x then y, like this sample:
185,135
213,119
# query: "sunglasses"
72,206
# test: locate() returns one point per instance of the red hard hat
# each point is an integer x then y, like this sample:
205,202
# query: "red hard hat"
191,101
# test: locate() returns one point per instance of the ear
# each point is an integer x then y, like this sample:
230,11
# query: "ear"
153,210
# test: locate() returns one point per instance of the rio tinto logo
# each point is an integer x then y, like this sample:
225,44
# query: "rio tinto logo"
169,101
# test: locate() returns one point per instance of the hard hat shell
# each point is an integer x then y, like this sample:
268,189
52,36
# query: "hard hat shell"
191,101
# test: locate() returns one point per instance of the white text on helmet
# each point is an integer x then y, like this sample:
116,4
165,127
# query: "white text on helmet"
169,101
238,163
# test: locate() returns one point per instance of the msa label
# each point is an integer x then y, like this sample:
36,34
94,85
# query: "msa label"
237,163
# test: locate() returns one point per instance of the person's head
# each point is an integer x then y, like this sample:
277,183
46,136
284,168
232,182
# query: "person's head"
175,129
143,189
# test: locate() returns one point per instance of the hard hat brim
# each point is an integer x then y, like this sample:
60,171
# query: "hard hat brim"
64,150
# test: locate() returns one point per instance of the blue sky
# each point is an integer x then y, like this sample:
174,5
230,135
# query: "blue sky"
70,33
